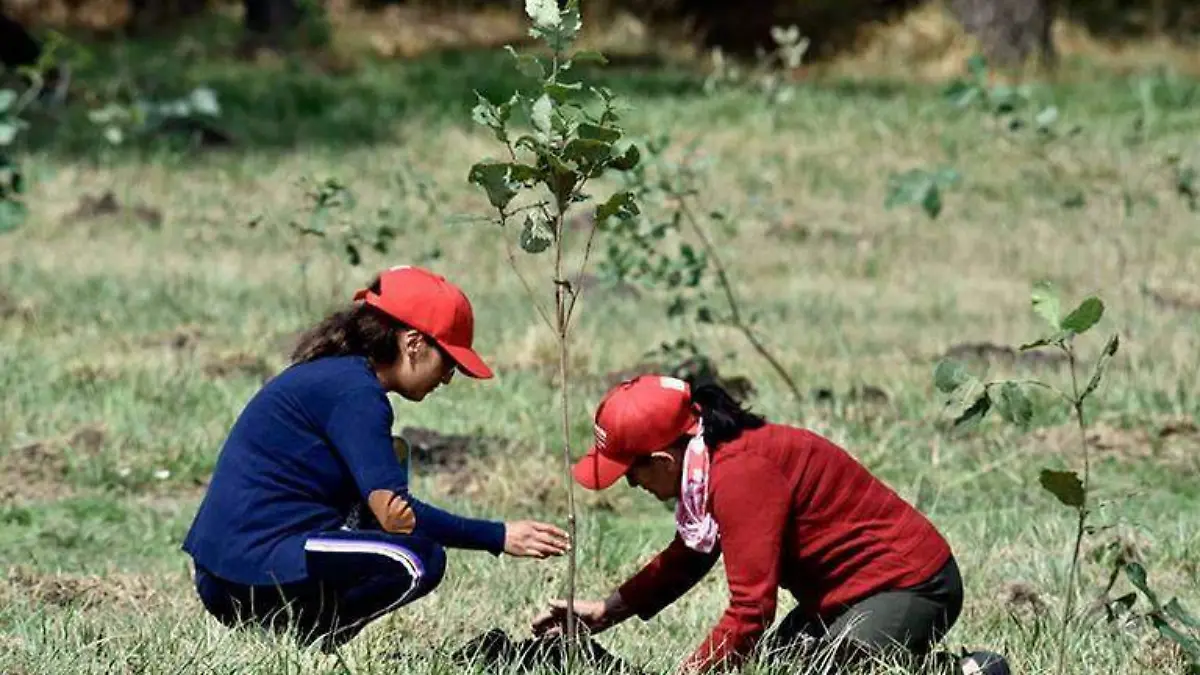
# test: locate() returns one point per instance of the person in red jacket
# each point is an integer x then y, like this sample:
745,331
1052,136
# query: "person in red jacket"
786,508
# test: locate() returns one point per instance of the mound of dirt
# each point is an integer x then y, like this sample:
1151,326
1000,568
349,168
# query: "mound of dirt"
449,453
79,591
497,652
1171,442
40,470
11,308
238,365
989,352
1174,300
183,338
92,207
865,393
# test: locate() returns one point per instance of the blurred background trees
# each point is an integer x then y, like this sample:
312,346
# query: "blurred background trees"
1009,31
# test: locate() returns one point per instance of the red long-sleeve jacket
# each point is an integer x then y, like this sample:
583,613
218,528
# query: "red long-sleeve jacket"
795,511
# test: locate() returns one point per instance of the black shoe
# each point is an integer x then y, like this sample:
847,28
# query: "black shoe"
984,663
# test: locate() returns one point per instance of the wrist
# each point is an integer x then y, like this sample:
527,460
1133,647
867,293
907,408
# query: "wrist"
616,609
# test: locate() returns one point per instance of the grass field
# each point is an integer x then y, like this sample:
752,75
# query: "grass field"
129,343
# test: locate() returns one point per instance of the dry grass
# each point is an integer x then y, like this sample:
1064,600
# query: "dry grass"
162,333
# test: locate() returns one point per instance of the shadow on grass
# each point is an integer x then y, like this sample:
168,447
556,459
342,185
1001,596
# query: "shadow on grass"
302,99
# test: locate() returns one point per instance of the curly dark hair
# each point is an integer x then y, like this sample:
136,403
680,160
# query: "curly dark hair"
360,330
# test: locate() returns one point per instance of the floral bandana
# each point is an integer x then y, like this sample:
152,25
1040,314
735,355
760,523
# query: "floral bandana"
693,519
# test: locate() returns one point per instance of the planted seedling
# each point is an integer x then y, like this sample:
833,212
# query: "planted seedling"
574,136
971,399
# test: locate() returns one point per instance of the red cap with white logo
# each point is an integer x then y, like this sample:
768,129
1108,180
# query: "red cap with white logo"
636,418
429,303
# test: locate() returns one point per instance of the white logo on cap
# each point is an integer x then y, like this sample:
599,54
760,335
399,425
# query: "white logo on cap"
672,383
399,267
601,436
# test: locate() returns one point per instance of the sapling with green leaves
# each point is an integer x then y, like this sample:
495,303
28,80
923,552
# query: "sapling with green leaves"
653,249
971,399
336,232
575,138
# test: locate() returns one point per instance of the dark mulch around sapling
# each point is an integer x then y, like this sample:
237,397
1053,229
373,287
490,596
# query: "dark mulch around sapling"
495,651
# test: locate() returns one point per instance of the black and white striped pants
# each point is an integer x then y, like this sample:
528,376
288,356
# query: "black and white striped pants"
354,577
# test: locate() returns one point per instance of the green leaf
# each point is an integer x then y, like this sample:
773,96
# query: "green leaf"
12,215
1187,643
977,65
114,135
628,160
1015,405
544,13
620,205
1110,350
527,64
1086,315
950,375
1065,485
970,402
353,255
562,92
932,202
1045,303
1046,341
496,180
1137,576
494,117
589,56
1176,610
536,235
598,133
543,108
1126,602
585,152
8,133
921,188
7,98
1046,117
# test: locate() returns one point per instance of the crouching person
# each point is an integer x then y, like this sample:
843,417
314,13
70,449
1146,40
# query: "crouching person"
787,509
308,524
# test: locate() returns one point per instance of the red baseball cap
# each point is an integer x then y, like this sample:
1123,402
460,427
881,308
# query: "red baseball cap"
636,418
431,304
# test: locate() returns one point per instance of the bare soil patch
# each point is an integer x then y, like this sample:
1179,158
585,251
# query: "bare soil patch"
991,353
41,470
79,591
92,207
1171,442
12,308
1179,301
182,338
239,364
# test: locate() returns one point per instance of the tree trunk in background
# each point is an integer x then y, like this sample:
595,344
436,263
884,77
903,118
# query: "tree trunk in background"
271,17
17,46
1010,31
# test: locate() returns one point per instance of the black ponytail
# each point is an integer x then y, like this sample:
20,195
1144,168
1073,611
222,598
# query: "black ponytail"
724,418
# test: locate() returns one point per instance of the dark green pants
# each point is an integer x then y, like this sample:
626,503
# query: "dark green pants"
903,623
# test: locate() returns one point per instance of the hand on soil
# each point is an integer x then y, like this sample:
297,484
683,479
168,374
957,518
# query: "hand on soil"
531,539
591,614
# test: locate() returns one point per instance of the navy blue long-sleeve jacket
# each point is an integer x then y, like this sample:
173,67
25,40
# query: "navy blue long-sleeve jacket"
306,451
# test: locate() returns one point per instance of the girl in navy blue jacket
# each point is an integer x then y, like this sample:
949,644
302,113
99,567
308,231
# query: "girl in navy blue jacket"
308,524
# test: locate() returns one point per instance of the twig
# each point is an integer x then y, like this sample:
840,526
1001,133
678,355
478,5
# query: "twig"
512,262
731,298
1077,403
